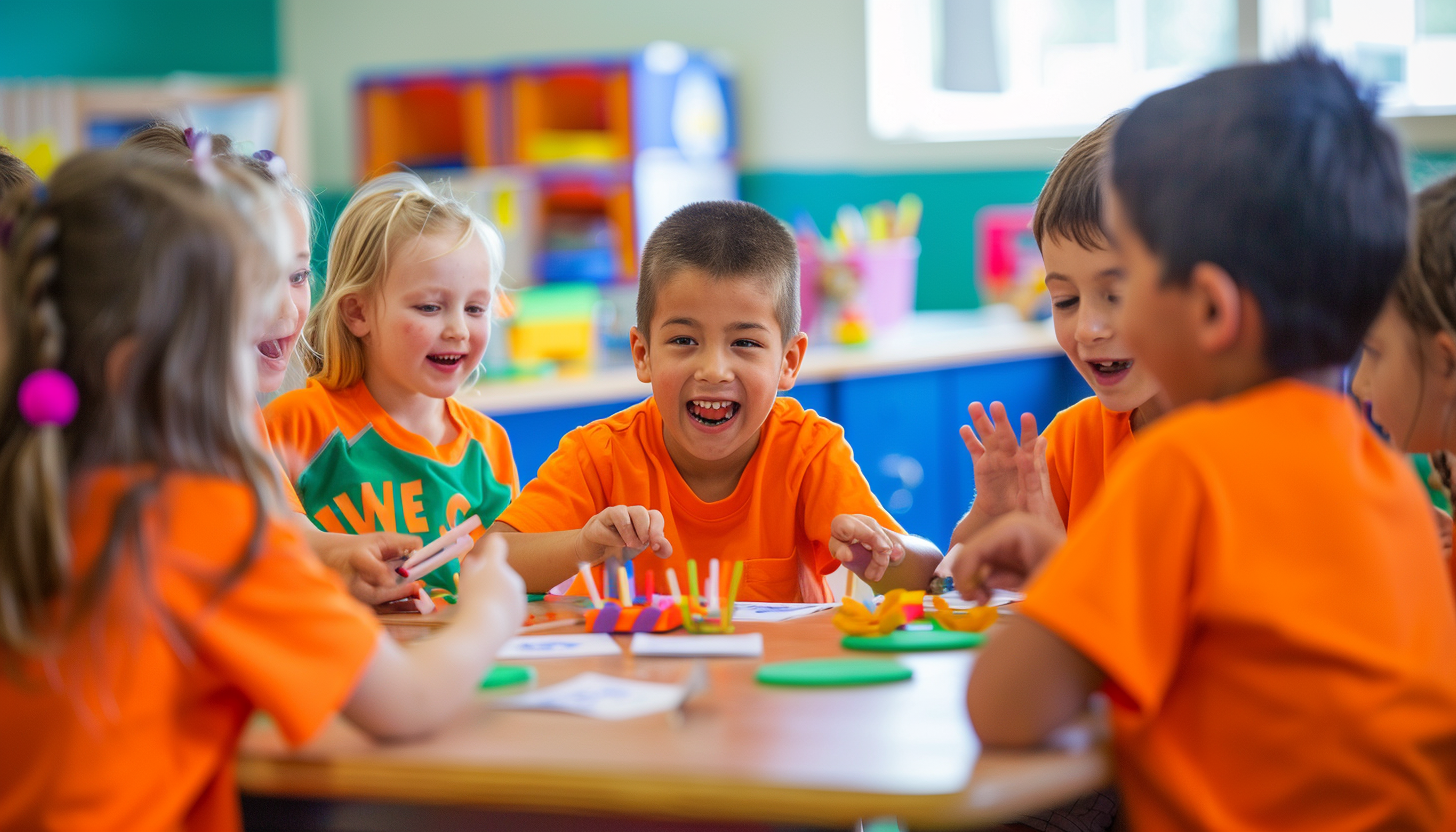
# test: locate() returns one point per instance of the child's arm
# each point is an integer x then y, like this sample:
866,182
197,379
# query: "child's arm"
411,690
360,560
545,559
1027,682
885,559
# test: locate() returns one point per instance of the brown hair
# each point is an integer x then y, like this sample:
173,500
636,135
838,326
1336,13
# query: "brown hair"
14,173
124,250
380,218
1425,291
726,241
1070,205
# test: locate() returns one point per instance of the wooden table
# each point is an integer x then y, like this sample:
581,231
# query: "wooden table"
739,753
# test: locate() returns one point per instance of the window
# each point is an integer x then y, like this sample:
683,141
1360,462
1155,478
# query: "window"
954,70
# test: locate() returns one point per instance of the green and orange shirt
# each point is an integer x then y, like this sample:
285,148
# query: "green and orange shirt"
357,470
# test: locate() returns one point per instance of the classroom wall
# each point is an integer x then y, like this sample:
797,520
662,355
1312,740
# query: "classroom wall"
137,38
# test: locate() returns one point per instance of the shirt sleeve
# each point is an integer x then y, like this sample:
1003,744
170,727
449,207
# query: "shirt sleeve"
833,485
566,493
1059,452
1119,591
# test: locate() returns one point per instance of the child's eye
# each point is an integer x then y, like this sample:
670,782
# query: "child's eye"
1065,303
475,309
1113,299
681,341
745,342
299,277
428,308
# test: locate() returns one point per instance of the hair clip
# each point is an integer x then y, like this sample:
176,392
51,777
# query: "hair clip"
48,397
275,163
202,158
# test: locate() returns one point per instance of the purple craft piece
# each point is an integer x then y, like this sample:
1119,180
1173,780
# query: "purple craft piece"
646,620
861,559
607,617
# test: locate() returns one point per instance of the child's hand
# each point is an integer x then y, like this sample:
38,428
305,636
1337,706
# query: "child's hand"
361,560
1003,555
1443,526
1036,483
490,588
859,543
617,527
995,451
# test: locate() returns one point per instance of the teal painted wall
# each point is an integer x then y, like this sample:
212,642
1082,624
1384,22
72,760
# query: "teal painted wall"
947,232
137,38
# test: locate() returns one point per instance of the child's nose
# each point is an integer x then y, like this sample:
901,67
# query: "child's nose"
455,327
715,368
287,309
1093,327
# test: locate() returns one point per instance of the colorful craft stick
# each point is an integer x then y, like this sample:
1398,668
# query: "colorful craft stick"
672,585
693,580
712,588
425,567
624,586
591,584
445,540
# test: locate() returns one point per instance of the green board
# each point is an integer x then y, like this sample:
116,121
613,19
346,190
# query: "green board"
506,675
821,673
914,641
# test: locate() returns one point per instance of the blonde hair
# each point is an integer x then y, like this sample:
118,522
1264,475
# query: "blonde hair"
381,217
123,250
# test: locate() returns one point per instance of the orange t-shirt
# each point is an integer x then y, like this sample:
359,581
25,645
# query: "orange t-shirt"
777,520
135,723
1261,582
290,494
1081,444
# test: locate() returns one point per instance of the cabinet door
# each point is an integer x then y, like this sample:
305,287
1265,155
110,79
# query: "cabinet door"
816,396
895,426
1040,386
535,436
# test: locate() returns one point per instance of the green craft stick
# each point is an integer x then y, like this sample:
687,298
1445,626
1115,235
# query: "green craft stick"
693,580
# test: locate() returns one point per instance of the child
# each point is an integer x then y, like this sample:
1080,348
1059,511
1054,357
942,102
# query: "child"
151,597
14,173
1257,582
376,442
360,559
1084,277
714,465
1407,372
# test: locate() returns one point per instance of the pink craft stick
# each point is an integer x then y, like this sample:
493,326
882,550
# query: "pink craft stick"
424,602
425,567
445,540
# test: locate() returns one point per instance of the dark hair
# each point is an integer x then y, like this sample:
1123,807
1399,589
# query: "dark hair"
1425,292
14,172
1070,205
726,241
1280,174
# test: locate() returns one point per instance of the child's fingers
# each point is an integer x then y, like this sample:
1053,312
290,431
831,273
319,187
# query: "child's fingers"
981,421
1000,421
973,445
1028,431
641,526
620,520
657,535
391,545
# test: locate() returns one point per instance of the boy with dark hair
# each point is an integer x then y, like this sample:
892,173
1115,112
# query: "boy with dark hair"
1258,585
14,172
715,464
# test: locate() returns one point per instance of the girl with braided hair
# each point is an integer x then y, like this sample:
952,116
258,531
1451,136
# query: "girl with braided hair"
360,559
1407,372
151,594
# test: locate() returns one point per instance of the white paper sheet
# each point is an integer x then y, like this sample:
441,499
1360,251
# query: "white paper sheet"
600,696
570,646
747,645
764,611
999,598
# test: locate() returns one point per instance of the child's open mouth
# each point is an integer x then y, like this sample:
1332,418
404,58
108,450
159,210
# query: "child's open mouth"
1110,372
274,350
446,361
712,412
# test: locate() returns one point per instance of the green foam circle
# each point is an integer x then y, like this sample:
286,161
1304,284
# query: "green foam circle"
913,641
506,675
818,673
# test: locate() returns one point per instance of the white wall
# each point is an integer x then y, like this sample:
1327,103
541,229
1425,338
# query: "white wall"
799,65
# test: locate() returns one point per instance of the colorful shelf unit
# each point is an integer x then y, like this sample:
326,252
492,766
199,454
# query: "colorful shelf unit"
598,151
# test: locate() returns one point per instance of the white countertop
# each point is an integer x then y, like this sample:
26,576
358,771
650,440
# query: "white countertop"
927,341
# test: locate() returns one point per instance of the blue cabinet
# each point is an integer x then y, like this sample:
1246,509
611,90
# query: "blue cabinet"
894,423
534,436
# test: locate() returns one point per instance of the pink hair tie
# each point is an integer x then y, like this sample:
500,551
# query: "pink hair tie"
48,397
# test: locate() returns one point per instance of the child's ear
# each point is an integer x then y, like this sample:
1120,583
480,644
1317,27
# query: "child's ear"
1441,358
356,317
1218,315
793,360
639,355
